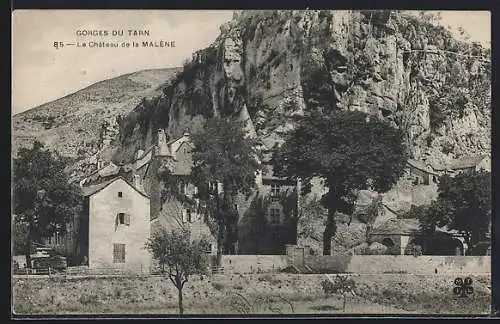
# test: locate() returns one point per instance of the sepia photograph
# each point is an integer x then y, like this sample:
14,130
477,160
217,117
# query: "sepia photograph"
251,162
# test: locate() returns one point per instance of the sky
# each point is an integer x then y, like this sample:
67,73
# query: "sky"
42,73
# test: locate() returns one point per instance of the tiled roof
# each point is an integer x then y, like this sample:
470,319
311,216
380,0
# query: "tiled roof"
145,159
463,163
466,162
173,140
181,167
92,189
419,165
437,167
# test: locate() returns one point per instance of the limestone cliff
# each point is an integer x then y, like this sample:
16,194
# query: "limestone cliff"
274,65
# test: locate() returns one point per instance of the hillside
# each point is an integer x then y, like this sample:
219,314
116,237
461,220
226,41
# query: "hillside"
84,122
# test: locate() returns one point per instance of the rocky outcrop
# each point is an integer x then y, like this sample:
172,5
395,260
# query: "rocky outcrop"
281,64
270,67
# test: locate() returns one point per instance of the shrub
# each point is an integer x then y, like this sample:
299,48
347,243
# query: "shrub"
88,299
218,286
437,116
340,285
413,249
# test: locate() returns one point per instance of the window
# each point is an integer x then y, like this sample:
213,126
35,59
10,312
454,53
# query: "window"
123,219
183,187
120,194
58,238
118,253
274,214
188,215
275,190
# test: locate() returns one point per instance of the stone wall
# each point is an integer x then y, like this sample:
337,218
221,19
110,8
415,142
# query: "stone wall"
380,264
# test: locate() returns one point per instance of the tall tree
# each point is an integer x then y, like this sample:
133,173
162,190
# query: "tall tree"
225,165
349,151
43,198
179,257
463,204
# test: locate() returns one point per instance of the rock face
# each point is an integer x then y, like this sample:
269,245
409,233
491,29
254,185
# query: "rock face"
280,64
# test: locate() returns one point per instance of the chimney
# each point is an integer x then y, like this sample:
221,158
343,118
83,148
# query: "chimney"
100,163
186,132
162,143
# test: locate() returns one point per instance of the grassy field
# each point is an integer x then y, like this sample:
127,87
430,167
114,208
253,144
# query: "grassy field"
248,294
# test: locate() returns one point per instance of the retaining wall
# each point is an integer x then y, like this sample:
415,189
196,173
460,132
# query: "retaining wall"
379,264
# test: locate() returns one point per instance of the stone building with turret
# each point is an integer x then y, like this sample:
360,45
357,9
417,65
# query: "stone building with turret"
162,173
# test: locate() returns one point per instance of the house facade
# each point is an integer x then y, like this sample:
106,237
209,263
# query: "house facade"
169,206
116,226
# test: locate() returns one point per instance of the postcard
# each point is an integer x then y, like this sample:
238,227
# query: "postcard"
251,162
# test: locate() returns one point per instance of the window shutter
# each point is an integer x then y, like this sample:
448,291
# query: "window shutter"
184,216
127,219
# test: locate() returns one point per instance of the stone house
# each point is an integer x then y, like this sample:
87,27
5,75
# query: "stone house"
397,234
167,207
162,172
481,162
165,173
115,226
268,218
421,173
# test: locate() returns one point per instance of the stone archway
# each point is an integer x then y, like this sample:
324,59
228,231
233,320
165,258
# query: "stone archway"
388,242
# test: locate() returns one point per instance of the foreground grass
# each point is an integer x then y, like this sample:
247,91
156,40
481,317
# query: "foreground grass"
248,294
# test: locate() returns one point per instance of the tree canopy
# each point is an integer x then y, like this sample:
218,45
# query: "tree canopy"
223,153
350,151
179,256
463,204
43,198
223,156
